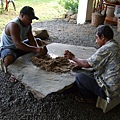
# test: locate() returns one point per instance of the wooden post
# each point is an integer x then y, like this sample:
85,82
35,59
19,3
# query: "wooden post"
6,8
94,6
84,11
7,4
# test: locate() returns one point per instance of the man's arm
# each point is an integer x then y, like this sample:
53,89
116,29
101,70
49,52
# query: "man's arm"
79,62
13,30
31,38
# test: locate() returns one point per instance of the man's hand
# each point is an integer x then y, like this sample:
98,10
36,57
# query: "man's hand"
42,50
69,55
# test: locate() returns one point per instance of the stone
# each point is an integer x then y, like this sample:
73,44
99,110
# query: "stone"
70,13
72,21
66,19
40,82
74,16
64,16
40,33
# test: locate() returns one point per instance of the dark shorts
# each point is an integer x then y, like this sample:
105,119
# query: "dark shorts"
14,52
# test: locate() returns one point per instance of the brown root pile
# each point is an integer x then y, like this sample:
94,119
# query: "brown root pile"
58,64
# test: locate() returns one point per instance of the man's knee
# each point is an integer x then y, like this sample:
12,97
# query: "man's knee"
8,60
79,78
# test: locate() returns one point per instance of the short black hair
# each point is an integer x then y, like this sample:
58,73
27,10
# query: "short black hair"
105,30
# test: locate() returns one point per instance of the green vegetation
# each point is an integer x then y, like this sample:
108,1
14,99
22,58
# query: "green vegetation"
70,5
44,9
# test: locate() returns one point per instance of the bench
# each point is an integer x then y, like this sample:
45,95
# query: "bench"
108,104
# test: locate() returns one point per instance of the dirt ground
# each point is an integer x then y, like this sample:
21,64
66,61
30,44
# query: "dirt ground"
18,103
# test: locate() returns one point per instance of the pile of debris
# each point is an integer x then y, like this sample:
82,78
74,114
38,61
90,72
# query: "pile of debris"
70,17
49,64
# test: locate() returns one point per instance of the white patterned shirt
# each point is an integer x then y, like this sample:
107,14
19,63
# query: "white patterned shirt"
106,63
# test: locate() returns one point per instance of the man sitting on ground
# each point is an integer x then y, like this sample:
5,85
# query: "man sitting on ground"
17,38
105,80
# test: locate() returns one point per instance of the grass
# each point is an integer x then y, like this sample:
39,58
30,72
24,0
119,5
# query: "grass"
44,9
